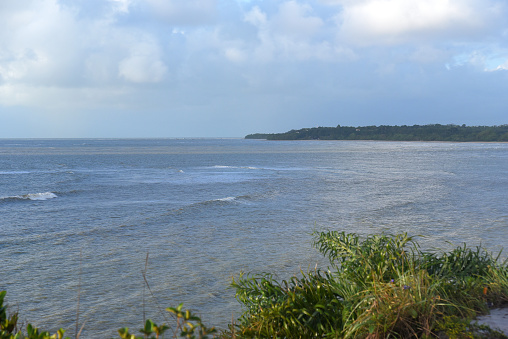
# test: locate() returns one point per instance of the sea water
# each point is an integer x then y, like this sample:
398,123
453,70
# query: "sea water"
83,219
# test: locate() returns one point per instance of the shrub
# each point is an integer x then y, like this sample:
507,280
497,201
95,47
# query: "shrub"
379,286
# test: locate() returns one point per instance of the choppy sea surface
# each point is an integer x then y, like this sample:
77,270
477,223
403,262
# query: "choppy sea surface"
80,217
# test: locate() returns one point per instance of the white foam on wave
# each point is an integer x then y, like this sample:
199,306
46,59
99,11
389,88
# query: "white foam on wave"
227,199
222,166
41,196
32,196
243,167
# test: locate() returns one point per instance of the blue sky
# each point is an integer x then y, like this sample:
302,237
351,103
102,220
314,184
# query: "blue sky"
226,68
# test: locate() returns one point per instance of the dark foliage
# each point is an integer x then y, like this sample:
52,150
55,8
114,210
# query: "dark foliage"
434,132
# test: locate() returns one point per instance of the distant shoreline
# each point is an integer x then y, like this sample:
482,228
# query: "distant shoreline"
373,140
427,133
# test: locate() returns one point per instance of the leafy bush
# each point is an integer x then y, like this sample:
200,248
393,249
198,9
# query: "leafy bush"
307,306
379,286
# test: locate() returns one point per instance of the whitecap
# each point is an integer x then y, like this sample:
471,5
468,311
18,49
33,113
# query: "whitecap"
227,199
31,196
236,167
40,196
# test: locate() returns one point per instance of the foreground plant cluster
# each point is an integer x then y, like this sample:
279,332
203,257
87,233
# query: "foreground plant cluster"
379,286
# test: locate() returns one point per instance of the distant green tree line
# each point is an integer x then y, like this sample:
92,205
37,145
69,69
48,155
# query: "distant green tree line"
435,132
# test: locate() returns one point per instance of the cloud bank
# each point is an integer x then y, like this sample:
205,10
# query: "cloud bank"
172,68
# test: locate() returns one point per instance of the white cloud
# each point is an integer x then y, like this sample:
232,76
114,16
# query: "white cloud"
263,51
331,2
15,65
398,21
50,56
143,64
121,6
494,61
38,43
256,17
502,67
293,32
295,20
184,12
141,68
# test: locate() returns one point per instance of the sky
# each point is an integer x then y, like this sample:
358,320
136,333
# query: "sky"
227,68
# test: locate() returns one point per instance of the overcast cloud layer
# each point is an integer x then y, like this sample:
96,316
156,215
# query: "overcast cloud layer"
226,68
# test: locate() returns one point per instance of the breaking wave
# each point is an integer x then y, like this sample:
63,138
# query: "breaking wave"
200,206
237,167
227,199
31,196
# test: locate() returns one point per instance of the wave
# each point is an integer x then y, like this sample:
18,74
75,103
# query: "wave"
31,196
236,167
212,203
227,199
13,172
219,201
269,168
57,171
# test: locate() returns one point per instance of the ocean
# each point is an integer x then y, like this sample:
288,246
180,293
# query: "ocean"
80,217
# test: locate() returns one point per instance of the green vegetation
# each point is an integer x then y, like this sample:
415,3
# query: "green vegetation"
378,286
434,132
186,325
